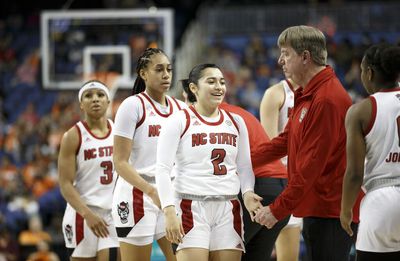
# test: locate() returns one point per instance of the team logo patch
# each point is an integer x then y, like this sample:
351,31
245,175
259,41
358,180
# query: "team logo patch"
303,114
123,211
228,122
152,113
69,233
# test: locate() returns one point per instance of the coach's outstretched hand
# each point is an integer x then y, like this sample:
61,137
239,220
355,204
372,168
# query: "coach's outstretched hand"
173,226
265,217
252,202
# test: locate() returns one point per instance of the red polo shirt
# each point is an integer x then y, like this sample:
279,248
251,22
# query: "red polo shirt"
315,141
257,136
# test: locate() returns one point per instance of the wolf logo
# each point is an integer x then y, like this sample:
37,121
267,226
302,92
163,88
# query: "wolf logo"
123,211
69,233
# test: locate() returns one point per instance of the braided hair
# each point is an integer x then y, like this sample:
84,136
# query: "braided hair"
142,62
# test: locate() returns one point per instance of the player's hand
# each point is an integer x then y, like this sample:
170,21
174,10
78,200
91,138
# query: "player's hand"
265,217
96,224
173,226
346,218
252,202
153,194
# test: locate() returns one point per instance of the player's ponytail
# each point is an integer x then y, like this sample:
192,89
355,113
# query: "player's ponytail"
185,85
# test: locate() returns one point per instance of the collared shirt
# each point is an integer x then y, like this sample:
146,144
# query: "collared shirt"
315,142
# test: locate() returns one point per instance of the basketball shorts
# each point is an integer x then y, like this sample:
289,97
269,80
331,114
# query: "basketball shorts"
379,228
295,222
79,236
137,219
213,225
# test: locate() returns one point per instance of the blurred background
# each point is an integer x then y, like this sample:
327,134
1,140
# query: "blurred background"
48,48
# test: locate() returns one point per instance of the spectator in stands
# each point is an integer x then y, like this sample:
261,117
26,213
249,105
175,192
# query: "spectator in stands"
314,140
43,253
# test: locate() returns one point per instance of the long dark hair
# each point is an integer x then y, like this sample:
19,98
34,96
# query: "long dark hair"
142,62
194,76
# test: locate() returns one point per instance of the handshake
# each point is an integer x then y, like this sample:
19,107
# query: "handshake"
257,211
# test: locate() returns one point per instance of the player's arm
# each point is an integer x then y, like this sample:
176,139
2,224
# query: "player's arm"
357,119
67,173
251,200
269,109
121,154
167,147
129,113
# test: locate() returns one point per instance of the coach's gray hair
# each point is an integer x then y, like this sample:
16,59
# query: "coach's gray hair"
305,38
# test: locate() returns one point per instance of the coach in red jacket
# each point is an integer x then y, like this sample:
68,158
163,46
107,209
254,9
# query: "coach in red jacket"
314,140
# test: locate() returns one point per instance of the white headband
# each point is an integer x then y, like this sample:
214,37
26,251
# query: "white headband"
93,85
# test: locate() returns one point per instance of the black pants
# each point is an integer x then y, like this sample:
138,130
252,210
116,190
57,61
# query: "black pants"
326,240
373,256
259,240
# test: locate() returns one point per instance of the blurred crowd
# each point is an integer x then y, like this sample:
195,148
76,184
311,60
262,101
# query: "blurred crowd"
33,120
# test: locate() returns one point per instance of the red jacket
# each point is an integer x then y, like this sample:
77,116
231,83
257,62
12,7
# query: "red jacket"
315,142
257,136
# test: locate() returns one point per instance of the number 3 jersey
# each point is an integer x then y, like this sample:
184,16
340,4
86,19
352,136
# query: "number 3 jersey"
211,156
95,178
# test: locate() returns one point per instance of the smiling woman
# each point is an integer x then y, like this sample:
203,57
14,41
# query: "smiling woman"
208,148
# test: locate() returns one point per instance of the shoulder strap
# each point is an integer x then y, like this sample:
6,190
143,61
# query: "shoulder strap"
144,112
233,120
187,122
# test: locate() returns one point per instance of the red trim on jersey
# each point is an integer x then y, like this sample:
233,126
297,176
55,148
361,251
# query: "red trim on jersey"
395,89
138,209
187,215
79,231
187,122
80,139
177,103
155,108
373,115
234,122
221,119
144,113
237,220
94,136
284,97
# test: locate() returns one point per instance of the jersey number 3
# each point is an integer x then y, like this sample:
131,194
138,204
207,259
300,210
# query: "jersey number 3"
107,178
217,158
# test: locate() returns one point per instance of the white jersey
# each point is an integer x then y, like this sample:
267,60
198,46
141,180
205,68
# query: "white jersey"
212,155
287,106
382,140
140,118
285,109
95,178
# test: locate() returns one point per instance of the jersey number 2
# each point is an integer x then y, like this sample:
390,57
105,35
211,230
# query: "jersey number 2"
217,158
107,178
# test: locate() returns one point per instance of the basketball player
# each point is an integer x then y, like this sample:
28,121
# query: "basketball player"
373,129
270,180
275,107
210,149
136,206
86,176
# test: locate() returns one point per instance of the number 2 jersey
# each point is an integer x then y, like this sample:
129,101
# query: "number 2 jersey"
95,178
382,138
211,156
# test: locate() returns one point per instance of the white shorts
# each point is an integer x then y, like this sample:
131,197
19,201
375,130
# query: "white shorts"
379,228
213,225
137,219
79,236
295,222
